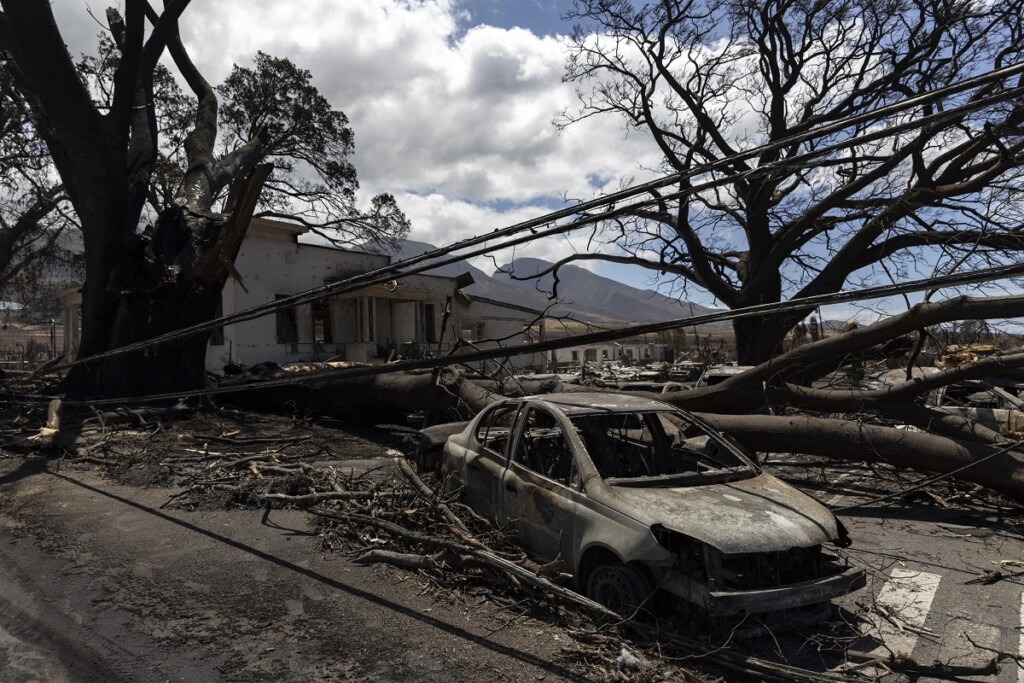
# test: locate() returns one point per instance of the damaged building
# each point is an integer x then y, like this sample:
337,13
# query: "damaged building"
403,318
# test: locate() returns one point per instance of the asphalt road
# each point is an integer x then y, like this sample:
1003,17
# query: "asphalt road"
98,583
923,598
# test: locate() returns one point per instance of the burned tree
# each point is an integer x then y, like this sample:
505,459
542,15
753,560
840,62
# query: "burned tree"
706,82
110,156
34,214
806,422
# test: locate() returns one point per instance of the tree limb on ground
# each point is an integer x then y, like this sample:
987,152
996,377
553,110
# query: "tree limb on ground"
852,440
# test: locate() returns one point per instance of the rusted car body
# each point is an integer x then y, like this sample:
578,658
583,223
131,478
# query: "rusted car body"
634,495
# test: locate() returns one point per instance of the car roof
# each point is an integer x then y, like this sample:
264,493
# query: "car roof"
583,402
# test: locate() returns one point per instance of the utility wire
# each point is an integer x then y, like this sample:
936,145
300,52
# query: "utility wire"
402,269
881,291
391,271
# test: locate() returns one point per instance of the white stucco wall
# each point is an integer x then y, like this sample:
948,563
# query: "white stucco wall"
636,353
489,325
272,262
403,316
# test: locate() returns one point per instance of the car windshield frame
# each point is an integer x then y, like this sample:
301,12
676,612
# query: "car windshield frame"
696,434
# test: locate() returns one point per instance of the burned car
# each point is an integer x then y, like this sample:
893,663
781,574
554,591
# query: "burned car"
635,495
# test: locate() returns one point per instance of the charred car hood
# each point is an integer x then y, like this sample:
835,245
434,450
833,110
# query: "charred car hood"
760,514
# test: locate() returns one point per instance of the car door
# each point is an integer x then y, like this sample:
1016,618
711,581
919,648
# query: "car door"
541,489
485,463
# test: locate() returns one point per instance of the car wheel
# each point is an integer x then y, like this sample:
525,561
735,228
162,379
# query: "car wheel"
620,587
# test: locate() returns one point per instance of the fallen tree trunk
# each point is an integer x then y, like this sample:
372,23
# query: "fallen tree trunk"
958,443
847,400
386,397
446,393
938,422
851,440
787,377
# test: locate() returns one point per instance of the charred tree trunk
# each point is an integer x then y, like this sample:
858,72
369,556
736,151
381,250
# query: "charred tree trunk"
176,366
759,339
778,379
851,440
106,249
138,299
170,278
136,286
446,395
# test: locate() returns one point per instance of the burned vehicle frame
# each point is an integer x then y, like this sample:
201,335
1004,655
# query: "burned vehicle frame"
634,495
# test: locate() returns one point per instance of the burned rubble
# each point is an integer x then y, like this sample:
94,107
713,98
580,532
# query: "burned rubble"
379,497
724,545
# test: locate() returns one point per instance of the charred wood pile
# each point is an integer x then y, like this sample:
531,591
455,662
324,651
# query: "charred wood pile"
794,403
378,511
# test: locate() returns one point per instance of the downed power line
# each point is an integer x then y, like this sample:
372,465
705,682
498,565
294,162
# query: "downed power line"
426,262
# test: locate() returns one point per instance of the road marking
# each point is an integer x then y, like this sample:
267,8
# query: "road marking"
906,598
1020,647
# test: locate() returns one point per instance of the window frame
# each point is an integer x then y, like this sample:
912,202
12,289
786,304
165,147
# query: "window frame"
573,479
487,422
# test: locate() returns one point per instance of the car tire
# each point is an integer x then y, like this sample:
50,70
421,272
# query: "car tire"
620,587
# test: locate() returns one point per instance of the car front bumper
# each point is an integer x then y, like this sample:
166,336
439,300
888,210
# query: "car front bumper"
762,600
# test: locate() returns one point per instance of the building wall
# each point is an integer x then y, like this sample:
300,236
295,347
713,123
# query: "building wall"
633,353
489,325
357,326
401,317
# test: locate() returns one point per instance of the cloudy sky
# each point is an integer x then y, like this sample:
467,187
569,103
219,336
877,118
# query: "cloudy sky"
451,101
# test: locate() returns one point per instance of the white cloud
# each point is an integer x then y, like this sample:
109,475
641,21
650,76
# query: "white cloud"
457,125
453,220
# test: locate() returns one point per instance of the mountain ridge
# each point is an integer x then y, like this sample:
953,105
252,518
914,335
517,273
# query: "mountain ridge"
582,294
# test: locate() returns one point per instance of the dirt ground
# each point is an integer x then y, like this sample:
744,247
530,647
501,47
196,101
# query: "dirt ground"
156,549
103,581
